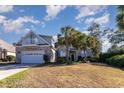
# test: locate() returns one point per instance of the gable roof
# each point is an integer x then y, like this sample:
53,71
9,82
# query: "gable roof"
43,38
46,38
8,47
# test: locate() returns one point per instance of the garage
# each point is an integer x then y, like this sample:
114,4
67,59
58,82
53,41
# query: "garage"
32,57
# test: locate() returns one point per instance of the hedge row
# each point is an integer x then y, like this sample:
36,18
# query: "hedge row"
105,56
117,60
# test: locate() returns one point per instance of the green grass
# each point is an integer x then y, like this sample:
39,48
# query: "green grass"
12,80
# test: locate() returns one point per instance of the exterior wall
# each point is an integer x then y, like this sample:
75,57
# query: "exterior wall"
10,53
0,53
88,53
3,53
18,54
47,50
62,51
52,54
35,42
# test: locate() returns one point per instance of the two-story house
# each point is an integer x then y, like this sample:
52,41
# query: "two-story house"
32,48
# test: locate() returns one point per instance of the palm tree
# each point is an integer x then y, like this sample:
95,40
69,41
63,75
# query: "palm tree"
94,29
93,44
120,17
80,42
67,32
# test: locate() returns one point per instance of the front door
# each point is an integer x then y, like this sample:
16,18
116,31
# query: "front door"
72,55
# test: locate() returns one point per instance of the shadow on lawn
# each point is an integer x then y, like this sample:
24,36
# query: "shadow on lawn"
91,63
107,65
53,65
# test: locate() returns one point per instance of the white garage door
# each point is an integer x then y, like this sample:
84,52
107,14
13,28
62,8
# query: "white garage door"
32,57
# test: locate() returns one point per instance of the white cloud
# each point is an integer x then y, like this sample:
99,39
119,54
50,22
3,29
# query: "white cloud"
89,20
52,11
85,11
106,44
16,25
86,32
76,28
103,20
100,20
2,19
23,31
5,8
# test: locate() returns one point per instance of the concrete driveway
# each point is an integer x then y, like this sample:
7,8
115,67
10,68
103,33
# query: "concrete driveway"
9,70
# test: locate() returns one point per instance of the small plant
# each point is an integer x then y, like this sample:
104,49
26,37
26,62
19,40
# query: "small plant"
10,58
61,60
93,59
46,58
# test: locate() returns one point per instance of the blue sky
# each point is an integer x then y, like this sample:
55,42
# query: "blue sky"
16,21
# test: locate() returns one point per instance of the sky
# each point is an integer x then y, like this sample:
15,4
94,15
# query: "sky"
16,21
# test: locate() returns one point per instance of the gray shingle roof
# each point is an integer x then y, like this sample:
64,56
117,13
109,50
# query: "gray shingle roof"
47,38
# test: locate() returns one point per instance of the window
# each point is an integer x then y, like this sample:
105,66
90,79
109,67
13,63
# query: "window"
62,53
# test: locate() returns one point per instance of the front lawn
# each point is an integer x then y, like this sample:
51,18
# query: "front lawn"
79,75
13,81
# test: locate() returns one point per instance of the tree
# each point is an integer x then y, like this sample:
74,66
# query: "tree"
118,36
94,29
120,17
67,33
94,44
83,42
112,48
80,42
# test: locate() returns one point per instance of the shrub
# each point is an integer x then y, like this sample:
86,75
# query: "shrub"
117,60
93,59
80,58
105,56
46,58
61,60
10,58
118,51
4,60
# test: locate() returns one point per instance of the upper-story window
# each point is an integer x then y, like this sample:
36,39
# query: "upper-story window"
30,40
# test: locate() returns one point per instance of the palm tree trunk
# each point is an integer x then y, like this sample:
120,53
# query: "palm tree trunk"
85,54
67,53
67,47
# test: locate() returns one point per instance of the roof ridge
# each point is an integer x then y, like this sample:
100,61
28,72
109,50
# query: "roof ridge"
45,35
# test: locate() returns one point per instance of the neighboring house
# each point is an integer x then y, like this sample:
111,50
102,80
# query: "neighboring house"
74,54
32,48
6,49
